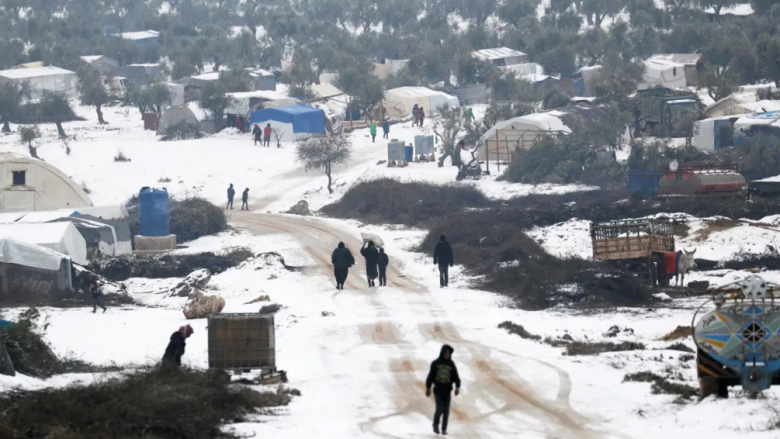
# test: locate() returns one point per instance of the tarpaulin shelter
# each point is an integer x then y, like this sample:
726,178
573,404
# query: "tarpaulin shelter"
31,270
295,122
110,238
400,101
61,237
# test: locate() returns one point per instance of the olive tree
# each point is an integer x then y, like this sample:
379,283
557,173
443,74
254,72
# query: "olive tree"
324,153
56,107
96,90
27,135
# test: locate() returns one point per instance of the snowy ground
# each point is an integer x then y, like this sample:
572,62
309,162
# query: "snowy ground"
361,370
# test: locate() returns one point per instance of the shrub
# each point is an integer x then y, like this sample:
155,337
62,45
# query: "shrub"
583,348
386,200
193,218
121,157
182,131
164,403
168,265
516,329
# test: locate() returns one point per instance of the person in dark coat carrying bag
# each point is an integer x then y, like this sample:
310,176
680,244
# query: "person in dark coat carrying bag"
442,376
382,263
257,133
443,256
372,258
175,349
341,259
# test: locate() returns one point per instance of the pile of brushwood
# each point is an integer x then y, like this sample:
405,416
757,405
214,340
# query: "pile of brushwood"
161,403
168,265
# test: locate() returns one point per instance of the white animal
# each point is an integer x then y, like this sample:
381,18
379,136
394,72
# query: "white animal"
683,265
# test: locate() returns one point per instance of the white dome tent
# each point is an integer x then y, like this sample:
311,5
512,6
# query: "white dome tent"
29,185
400,101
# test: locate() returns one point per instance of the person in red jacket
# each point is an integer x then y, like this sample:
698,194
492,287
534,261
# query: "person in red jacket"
267,135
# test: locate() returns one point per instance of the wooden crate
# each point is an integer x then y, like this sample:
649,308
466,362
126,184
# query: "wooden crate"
631,239
241,342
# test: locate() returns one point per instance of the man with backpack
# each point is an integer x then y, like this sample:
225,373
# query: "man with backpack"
441,377
97,297
443,256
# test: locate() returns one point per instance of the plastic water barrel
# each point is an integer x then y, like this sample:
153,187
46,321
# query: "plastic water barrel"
155,211
409,153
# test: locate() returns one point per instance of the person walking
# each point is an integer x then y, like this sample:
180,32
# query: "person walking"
341,259
372,257
97,297
267,136
245,199
415,114
175,349
382,263
386,128
257,132
470,114
421,114
441,377
231,194
373,131
443,256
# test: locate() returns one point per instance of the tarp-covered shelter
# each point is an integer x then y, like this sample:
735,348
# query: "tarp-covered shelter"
400,101
752,124
665,73
741,103
190,113
61,237
501,56
294,121
707,132
106,237
389,67
43,80
28,184
31,270
692,63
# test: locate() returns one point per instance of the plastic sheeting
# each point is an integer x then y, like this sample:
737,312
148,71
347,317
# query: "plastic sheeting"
399,102
61,237
304,120
17,252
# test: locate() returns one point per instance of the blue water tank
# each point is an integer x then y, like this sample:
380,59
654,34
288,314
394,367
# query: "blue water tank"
409,153
155,212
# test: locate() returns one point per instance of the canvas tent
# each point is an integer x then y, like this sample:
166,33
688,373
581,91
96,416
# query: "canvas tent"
501,56
31,270
707,131
691,62
43,80
293,121
190,113
389,68
399,102
61,237
28,184
664,73
110,238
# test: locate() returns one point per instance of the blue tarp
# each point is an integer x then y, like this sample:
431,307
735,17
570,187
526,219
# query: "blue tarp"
304,119
5,324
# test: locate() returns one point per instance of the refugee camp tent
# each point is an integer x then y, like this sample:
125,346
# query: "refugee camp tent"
708,133
501,56
399,102
31,270
106,237
295,122
42,80
61,237
663,72
748,125
190,113
28,184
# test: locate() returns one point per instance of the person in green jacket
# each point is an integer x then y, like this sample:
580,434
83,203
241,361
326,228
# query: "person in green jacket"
470,114
373,131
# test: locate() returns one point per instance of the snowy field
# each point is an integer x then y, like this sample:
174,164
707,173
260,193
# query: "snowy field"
361,370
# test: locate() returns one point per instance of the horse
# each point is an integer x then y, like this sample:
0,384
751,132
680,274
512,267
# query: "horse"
683,265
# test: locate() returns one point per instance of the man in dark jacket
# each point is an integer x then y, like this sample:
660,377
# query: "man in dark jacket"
97,297
341,259
175,349
444,257
442,376
382,263
421,115
267,136
386,128
372,257
231,194
257,133
245,199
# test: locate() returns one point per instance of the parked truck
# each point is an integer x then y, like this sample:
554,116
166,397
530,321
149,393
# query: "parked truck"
687,180
659,111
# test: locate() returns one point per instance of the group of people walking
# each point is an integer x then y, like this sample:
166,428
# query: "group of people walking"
385,130
263,135
231,193
418,115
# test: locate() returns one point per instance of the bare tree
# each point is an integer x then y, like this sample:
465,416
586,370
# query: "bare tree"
277,133
27,135
323,153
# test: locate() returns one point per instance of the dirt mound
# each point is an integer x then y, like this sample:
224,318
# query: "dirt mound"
679,333
168,265
388,201
161,404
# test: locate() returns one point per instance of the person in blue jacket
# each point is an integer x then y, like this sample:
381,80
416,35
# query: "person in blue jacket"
386,129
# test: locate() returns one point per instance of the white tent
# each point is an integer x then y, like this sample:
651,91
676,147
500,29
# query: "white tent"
706,137
400,101
520,132
60,237
665,73
44,79
13,251
745,122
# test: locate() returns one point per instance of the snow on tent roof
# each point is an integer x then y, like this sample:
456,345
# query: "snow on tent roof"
13,251
199,113
210,76
34,72
325,90
298,109
91,58
497,53
544,121
63,237
768,118
742,10
689,59
416,92
140,35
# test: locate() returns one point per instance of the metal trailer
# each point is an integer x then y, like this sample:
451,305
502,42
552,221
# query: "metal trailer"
244,342
738,342
636,245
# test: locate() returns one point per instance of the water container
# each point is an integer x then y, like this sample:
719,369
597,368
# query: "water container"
409,153
423,145
395,151
155,212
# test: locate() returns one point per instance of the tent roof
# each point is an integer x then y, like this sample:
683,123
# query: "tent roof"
689,59
35,72
544,121
13,251
46,233
497,53
298,109
414,92
742,10
325,90
139,35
